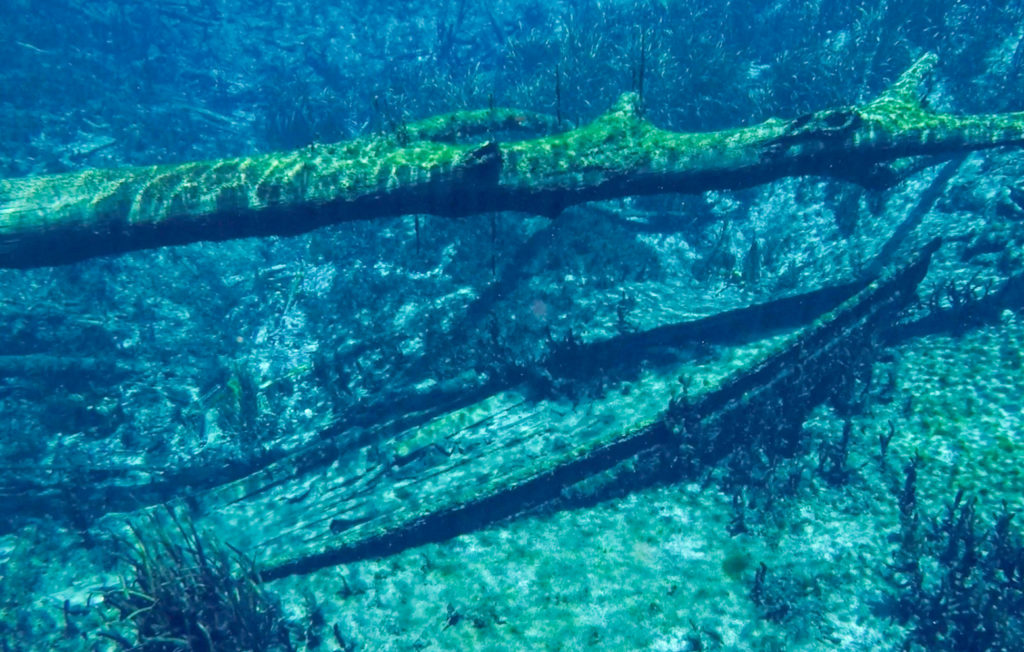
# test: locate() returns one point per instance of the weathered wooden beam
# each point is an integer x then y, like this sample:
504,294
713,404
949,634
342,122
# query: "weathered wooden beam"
51,220
32,491
359,516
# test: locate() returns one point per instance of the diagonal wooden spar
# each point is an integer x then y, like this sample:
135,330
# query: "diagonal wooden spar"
51,220
762,398
509,454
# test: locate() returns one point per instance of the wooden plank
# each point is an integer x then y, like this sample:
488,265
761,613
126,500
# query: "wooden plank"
511,452
487,483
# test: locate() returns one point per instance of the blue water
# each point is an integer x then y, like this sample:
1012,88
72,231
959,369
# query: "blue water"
657,420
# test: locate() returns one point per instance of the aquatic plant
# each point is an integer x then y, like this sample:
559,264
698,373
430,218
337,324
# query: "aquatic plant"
186,591
959,577
833,458
773,596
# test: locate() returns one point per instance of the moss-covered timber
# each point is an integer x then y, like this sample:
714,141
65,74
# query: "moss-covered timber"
51,220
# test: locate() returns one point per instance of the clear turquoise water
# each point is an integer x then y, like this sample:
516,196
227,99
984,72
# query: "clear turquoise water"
511,431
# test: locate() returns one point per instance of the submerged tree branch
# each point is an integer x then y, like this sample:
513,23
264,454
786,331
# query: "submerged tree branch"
58,219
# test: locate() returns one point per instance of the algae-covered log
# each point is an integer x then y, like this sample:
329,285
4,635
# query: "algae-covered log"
65,218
